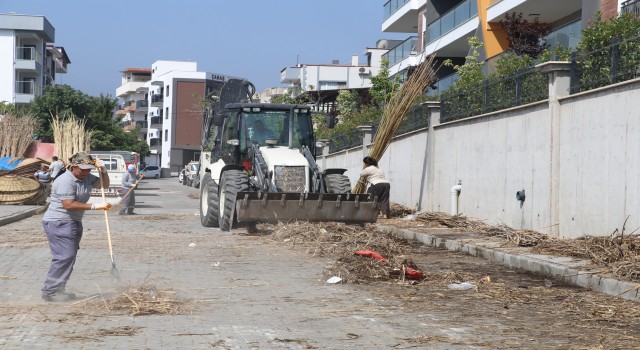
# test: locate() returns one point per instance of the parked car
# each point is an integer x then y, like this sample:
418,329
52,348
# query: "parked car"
191,173
151,171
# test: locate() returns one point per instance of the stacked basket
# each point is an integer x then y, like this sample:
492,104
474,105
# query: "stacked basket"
22,190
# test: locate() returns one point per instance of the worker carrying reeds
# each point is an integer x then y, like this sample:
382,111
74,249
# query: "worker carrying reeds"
377,184
62,221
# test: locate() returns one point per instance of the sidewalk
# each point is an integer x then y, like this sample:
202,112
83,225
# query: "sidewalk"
13,213
565,269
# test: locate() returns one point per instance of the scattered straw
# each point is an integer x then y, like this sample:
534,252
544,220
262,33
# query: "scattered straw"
140,300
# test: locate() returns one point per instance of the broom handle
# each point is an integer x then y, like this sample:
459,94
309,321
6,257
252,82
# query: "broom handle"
106,216
132,187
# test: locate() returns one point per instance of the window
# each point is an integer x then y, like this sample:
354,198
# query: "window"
166,135
332,85
166,114
167,94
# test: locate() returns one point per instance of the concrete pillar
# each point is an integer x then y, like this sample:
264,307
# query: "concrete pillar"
325,152
367,138
559,84
426,182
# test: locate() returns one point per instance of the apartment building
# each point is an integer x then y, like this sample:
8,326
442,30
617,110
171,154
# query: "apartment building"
175,94
443,27
29,60
134,100
322,82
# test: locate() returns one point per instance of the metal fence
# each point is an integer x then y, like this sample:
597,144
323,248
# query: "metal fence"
611,64
416,118
524,87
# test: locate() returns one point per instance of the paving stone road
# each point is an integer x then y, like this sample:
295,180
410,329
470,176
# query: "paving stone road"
254,293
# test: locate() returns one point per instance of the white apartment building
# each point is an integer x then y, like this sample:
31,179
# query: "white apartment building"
443,27
175,93
323,81
134,99
29,61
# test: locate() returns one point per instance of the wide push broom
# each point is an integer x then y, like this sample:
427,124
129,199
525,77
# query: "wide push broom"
395,109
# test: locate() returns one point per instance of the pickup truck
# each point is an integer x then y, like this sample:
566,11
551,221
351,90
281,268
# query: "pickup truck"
116,167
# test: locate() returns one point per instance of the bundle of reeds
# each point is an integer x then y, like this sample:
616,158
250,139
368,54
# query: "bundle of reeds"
396,108
16,134
70,136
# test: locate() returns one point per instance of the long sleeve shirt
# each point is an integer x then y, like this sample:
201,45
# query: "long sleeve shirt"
374,175
128,180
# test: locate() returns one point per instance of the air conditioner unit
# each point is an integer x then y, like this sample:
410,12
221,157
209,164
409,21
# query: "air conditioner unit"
363,70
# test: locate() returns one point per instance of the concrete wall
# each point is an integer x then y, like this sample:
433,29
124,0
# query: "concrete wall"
577,158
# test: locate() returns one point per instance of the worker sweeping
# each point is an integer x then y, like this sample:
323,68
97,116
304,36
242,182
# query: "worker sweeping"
129,184
62,221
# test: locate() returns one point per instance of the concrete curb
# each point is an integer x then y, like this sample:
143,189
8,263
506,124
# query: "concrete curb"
23,214
557,267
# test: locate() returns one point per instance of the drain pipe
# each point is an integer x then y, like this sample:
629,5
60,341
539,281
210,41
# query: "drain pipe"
455,193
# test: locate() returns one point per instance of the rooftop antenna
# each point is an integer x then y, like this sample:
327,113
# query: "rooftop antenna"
297,59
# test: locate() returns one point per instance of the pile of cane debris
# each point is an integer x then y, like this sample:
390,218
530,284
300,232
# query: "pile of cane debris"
139,300
341,242
617,254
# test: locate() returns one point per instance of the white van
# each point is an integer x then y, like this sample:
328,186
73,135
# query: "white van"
116,167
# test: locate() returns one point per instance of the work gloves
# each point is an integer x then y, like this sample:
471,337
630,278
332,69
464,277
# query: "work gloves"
100,165
101,206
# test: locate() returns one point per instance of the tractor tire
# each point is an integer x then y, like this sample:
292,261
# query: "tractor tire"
209,202
231,182
337,183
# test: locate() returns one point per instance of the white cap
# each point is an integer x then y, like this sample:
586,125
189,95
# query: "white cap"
131,167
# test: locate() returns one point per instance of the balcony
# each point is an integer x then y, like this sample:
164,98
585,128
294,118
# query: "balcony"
401,16
631,6
290,75
28,59
155,144
157,100
156,123
26,90
401,51
549,11
142,105
451,20
142,125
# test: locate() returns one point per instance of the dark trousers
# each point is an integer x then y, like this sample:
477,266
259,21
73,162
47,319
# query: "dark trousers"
129,202
64,241
381,190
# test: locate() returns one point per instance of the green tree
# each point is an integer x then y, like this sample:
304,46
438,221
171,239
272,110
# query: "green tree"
96,112
381,86
347,102
285,98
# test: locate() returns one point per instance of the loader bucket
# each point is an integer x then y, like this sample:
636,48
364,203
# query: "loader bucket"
316,207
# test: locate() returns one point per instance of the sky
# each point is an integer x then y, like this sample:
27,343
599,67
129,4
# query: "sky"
254,39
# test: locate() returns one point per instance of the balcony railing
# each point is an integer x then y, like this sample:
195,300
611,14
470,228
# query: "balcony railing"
28,53
27,87
155,143
142,125
401,51
156,121
452,19
392,6
631,6
157,98
142,104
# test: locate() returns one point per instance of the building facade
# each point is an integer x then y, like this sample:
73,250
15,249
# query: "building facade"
175,95
322,82
443,28
29,60
134,100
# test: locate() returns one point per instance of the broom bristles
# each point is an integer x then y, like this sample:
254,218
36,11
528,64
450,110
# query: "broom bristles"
395,109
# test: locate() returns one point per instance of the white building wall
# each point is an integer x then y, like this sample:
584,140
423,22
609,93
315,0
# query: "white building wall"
7,72
498,154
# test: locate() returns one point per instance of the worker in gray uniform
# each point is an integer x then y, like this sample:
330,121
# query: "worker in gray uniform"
62,221
128,193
